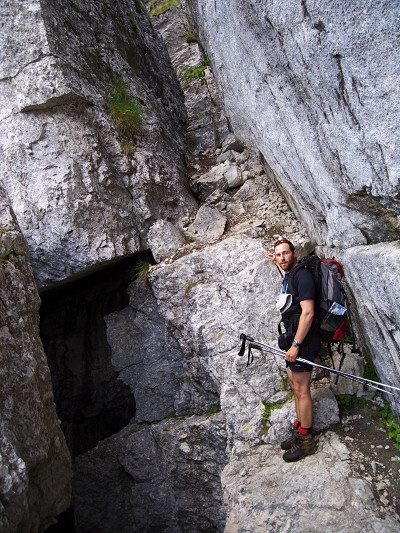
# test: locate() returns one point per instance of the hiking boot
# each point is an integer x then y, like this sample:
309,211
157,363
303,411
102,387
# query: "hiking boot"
305,445
291,441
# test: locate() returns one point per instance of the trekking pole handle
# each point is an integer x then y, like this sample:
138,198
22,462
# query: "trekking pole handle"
244,338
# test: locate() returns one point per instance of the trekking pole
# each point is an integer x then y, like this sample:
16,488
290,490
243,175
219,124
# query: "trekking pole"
270,349
357,379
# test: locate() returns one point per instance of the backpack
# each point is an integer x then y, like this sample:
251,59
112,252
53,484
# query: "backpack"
330,302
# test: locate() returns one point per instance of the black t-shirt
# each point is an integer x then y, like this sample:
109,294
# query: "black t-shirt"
301,287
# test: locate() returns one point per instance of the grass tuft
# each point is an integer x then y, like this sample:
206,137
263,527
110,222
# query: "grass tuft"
125,111
163,7
139,271
140,7
191,38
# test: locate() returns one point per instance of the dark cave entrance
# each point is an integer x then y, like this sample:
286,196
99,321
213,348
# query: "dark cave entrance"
91,402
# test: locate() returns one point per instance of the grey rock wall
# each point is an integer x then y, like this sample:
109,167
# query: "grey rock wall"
82,193
313,85
165,477
372,274
35,468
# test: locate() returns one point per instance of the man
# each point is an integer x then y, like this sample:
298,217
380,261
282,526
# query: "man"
301,339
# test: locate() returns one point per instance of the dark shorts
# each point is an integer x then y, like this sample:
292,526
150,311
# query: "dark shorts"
308,350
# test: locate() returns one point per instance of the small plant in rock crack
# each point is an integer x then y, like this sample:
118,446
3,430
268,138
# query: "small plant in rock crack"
369,373
212,411
191,38
133,23
124,110
268,408
199,74
162,7
140,8
139,271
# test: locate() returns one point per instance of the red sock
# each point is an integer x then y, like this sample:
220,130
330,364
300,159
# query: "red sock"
304,431
296,424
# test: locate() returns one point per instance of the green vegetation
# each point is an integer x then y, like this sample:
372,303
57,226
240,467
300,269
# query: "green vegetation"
369,373
212,411
139,271
162,7
347,400
198,74
140,8
133,23
127,149
348,340
125,111
191,38
268,408
389,422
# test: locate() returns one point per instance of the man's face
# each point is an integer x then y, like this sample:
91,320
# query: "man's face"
285,258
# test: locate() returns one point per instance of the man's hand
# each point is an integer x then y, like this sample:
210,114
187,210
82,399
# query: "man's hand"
292,353
271,256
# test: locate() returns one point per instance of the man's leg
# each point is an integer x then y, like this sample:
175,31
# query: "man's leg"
300,383
304,444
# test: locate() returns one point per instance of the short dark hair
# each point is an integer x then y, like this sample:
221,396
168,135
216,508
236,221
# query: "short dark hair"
284,241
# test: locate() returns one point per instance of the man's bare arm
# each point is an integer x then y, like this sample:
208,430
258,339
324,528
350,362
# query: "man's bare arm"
305,323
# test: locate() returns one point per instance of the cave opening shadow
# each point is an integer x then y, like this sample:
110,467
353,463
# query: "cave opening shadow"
91,402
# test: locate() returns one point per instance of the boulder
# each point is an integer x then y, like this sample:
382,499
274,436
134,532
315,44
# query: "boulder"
208,226
164,239
234,177
326,414
211,181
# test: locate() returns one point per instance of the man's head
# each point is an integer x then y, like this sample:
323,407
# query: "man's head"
285,255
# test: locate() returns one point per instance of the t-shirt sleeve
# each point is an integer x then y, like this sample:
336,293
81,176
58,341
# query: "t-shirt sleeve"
304,284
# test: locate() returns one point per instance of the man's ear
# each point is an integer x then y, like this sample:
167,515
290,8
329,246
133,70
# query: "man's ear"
295,254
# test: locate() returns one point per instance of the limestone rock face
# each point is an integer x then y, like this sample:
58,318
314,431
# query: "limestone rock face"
164,477
372,279
82,192
207,298
35,469
303,83
263,493
207,125
150,361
